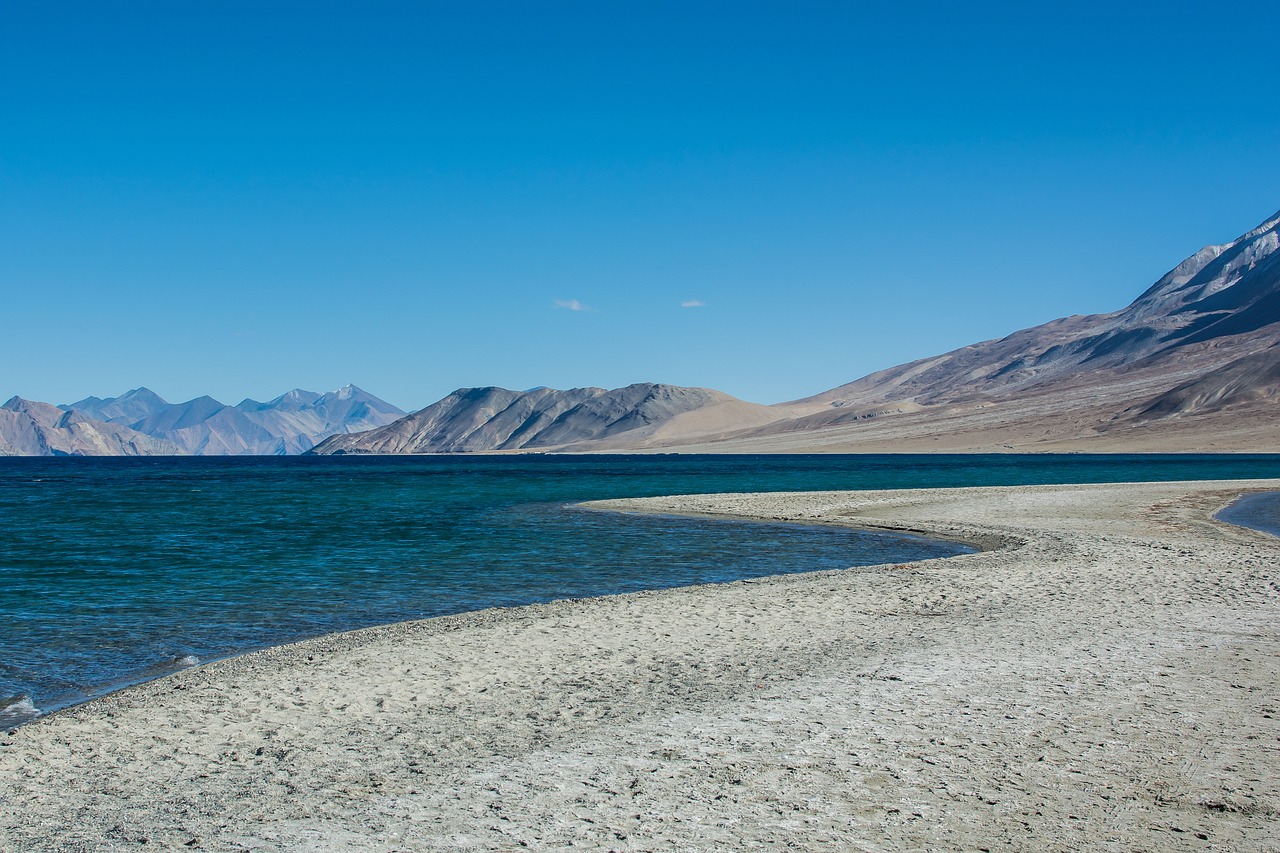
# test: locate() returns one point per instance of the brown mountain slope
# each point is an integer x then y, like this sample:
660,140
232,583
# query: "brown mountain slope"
1221,301
1254,379
581,419
1192,364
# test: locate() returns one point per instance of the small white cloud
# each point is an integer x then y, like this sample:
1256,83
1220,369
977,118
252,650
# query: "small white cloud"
692,303
572,305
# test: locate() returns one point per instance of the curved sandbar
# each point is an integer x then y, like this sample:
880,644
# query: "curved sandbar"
1107,676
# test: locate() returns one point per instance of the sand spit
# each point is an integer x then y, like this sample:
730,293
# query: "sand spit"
1105,677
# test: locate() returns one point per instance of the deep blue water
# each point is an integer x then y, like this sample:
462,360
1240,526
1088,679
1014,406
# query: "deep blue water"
114,570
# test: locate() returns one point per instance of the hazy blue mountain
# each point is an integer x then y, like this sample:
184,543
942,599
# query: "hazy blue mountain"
206,427
304,418
291,423
29,428
129,407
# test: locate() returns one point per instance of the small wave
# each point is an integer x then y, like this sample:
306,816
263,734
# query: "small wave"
173,664
161,668
16,710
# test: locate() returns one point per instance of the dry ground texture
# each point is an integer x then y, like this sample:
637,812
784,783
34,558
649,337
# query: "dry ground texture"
1105,676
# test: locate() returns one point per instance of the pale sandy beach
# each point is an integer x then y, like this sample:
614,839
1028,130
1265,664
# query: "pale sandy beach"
1104,676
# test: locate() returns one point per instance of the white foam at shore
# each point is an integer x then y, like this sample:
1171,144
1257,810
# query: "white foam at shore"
16,710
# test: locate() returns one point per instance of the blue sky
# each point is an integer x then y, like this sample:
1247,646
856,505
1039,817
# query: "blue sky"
766,198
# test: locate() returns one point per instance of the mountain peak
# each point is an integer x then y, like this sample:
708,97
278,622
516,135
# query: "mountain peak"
141,394
491,418
1210,270
296,398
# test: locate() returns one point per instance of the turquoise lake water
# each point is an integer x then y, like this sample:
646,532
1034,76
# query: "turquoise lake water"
119,570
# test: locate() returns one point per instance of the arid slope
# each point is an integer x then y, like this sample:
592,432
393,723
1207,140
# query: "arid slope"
1192,364
581,419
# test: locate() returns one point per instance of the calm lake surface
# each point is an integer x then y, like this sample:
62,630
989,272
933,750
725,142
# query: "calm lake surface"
1260,511
118,570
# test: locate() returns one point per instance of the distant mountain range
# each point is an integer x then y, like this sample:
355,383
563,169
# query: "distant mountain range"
1193,364
29,428
141,423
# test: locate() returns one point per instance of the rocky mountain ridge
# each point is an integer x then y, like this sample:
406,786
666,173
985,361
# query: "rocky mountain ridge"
30,428
1222,294
496,419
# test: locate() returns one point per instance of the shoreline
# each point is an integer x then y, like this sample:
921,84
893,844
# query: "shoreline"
49,707
1254,511
894,706
980,543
